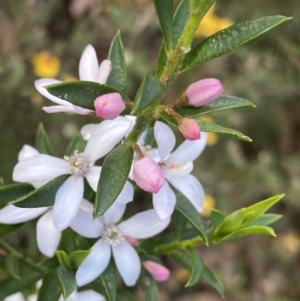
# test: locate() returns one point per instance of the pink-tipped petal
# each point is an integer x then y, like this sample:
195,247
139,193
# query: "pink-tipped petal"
109,106
158,272
58,109
148,175
104,71
203,91
88,65
189,128
132,240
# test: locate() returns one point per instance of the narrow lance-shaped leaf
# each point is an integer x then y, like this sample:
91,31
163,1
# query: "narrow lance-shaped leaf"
114,173
161,62
148,285
206,126
150,91
50,289
229,39
211,279
43,144
197,268
124,295
67,281
266,219
109,282
164,11
222,103
12,265
41,197
118,76
82,93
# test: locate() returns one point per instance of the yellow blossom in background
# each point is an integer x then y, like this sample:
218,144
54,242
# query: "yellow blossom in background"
209,203
211,24
66,77
287,245
212,138
45,64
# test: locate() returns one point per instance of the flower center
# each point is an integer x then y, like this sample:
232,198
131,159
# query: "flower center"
112,235
77,164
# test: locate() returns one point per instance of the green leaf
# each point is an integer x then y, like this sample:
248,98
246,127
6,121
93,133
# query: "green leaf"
266,219
12,266
5,229
43,144
114,174
229,39
124,295
1,181
150,91
41,197
77,257
10,192
260,208
67,281
81,93
148,285
162,61
206,126
216,217
248,231
164,115
50,289
118,76
211,279
68,240
197,268
224,102
164,11
109,282
76,144
148,245
180,222
63,259
189,211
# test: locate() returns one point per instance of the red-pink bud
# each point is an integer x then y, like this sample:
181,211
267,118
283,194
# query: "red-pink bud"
203,91
158,272
132,240
189,128
109,106
148,174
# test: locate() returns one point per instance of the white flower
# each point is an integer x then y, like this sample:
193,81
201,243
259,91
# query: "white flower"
19,297
89,70
41,168
112,239
176,167
88,295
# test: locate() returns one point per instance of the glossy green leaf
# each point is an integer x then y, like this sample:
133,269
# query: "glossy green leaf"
109,282
260,208
64,259
76,144
266,219
118,76
222,103
206,126
180,222
197,268
188,210
248,231
43,144
229,39
50,289
161,62
77,257
148,285
211,279
12,265
81,93
150,91
67,281
165,116
114,174
216,217
10,192
41,197
68,240
124,295
164,11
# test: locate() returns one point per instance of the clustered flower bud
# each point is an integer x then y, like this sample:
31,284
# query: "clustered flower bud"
109,106
203,91
189,128
158,272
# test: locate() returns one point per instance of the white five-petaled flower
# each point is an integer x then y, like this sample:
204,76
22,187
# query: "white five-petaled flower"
43,168
112,240
176,167
89,70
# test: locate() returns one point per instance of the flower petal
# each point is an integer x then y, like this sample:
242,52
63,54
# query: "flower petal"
88,64
164,202
126,194
15,297
192,189
82,111
89,295
47,235
93,176
105,136
177,171
11,214
87,206
26,152
87,130
104,71
188,151
59,109
143,225
94,264
40,167
42,83
85,225
114,213
67,202
165,139
127,262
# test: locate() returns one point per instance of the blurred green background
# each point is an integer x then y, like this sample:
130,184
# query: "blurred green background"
234,173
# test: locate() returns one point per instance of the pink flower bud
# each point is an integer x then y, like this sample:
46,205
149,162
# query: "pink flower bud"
189,128
203,91
132,240
158,272
148,174
109,106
